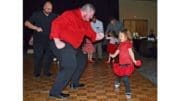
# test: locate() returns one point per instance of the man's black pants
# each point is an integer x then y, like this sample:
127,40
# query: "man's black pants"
72,63
42,52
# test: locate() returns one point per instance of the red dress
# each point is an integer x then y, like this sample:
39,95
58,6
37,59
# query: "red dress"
111,48
125,67
88,47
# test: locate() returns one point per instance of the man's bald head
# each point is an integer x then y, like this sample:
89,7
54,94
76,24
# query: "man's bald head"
47,7
87,11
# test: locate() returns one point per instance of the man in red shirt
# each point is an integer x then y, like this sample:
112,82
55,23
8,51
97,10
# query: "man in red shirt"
67,33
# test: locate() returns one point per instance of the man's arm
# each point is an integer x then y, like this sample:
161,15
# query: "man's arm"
29,23
33,27
93,35
99,36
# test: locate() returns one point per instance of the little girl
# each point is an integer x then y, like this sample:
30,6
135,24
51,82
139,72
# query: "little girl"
112,45
125,67
89,49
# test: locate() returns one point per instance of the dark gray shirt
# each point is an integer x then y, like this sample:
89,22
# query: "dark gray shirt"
41,20
118,26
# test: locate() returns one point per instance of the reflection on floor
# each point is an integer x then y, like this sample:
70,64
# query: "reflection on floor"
149,69
99,80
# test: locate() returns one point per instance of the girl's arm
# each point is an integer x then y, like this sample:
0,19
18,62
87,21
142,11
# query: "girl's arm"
131,53
115,54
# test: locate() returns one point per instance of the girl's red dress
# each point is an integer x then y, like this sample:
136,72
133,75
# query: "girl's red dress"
125,67
111,48
88,47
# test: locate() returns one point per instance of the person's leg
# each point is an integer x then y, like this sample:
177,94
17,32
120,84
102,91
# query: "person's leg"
81,63
109,59
38,53
48,58
117,82
95,53
127,86
67,58
99,50
88,56
91,56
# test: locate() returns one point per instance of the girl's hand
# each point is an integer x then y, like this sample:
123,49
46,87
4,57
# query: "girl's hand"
138,63
111,55
134,61
115,54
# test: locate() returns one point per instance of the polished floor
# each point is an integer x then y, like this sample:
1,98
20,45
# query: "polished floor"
99,80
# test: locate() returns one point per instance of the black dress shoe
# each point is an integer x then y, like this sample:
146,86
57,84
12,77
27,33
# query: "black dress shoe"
36,75
100,59
76,86
60,96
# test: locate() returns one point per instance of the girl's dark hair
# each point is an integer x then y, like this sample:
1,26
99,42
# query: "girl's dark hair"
114,34
127,33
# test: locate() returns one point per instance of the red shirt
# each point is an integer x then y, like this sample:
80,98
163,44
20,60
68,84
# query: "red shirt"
71,28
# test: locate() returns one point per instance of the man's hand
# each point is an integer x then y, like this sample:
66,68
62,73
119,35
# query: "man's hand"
31,41
38,29
59,44
33,27
99,36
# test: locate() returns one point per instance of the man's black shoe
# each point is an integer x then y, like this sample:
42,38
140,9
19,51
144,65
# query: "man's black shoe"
76,86
60,96
100,59
36,75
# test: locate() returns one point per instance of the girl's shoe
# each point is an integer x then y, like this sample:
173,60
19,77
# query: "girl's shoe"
91,61
116,85
128,96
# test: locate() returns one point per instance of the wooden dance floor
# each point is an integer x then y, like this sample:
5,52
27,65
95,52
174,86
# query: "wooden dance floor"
99,80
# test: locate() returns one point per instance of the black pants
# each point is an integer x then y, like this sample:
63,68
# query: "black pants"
42,52
72,63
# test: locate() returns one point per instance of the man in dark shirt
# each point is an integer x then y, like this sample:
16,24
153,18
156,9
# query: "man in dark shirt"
40,22
67,33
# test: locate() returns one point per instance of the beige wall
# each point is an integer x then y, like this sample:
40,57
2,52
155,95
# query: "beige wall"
138,9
